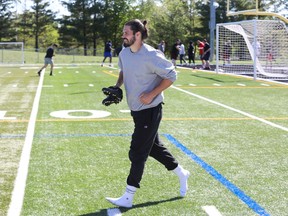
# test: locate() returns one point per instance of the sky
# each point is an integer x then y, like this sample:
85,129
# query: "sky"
55,6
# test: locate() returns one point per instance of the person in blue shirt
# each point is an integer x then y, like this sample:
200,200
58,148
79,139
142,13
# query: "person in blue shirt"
108,53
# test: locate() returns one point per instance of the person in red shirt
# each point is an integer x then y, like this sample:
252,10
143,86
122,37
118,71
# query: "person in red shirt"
201,51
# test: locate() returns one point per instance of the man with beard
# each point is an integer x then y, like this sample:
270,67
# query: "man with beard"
145,73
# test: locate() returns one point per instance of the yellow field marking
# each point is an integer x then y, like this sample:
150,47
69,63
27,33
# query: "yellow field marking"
109,73
130,119
239,87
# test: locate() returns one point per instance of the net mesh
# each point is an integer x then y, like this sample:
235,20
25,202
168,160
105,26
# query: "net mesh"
11,53
256,47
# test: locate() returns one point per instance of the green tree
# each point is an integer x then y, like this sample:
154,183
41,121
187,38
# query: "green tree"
42,17
24,23
78,25
114,15
91,20
170,21
7,31
95,12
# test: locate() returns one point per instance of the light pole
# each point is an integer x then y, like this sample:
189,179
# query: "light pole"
213,6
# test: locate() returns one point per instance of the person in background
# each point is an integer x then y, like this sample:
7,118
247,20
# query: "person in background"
227,51
182,54
175,51
206,55
108,53
257,48
201,51
191,53
161,46
48,59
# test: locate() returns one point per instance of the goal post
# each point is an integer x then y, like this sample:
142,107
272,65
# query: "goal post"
11,53
252,12
258,48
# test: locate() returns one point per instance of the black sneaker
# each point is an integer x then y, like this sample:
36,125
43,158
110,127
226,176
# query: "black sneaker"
51,74
39,73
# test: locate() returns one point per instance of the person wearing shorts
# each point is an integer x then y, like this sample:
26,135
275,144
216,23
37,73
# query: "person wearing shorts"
108,53
49,59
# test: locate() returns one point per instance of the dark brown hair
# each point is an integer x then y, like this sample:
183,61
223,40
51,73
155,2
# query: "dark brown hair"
137,26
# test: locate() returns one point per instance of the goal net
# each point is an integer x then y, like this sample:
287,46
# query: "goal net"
11,53
256,47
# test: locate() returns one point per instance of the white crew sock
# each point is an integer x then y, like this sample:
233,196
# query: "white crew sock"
126,199
183,176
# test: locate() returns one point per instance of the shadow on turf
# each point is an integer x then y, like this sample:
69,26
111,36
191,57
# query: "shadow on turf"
205,77
103,212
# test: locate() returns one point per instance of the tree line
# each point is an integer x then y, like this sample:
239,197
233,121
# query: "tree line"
91,23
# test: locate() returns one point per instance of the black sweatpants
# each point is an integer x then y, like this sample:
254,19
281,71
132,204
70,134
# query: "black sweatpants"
145,142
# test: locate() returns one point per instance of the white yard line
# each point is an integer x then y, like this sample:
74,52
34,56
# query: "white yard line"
241,84
216,84
20,181
114,212
264,84
233,109
44,86
211,210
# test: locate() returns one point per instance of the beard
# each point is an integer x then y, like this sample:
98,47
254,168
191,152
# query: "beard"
128,43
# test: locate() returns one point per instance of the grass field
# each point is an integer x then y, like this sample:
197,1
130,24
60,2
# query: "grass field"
230,132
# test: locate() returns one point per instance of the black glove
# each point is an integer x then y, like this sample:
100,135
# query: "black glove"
114,95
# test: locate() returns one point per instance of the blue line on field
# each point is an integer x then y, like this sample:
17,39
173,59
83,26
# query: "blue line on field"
12,136
234,189
209,169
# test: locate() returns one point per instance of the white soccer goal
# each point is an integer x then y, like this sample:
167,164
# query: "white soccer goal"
255,47
11,53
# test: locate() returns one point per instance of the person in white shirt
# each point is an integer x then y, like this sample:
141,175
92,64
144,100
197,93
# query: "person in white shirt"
182,54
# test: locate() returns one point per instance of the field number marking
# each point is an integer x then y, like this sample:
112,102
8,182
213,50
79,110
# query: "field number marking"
2,116
66,114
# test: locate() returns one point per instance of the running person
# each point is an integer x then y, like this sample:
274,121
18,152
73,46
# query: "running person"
49,59
146,73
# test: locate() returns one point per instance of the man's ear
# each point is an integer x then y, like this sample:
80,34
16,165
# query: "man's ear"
138,34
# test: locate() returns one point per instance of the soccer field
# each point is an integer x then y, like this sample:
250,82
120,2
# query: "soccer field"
230,132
